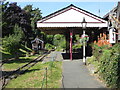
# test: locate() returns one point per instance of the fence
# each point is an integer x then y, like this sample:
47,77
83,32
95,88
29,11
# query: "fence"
45,75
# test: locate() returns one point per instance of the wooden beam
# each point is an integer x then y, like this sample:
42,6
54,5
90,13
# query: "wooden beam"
115,19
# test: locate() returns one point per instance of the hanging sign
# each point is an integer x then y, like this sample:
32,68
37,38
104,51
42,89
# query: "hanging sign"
112,35
84,38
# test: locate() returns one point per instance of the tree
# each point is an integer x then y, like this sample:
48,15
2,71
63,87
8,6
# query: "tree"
3,22
35,15
59,41
13,14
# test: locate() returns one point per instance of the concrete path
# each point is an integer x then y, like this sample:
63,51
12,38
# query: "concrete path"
53,55
76,75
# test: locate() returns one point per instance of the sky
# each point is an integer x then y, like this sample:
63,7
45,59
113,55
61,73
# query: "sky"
48,7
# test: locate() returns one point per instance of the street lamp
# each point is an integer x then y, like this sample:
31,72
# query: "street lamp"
84,24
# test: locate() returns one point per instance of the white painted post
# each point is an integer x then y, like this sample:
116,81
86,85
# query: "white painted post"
112,35
84,59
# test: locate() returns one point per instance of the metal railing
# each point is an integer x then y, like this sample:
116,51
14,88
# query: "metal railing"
45,75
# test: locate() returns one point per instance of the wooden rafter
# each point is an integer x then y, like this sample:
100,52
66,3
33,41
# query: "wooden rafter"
115,19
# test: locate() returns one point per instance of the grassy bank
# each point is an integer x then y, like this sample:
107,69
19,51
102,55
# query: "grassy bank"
14,64
33,78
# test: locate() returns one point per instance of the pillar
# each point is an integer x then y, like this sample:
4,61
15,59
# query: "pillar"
84,57
67,41
71,34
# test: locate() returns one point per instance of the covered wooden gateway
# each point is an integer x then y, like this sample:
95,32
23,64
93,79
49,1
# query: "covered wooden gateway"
68,21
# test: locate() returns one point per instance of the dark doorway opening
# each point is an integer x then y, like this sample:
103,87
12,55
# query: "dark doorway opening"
78,53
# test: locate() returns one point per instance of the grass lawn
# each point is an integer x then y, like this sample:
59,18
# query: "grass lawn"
34,76
14,64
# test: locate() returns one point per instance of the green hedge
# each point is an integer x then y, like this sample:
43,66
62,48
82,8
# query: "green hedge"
97,51
109,64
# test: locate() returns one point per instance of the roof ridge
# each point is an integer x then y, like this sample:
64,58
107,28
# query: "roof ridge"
68,7
58,11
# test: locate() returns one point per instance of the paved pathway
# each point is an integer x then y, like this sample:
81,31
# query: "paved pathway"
53,55
76,75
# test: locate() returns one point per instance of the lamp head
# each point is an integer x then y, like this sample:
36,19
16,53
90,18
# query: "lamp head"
84,23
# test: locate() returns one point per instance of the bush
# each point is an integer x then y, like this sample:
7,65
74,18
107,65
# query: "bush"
63,44
59,42
90,60
97,51
11,43
49,39
49,46
77,46
109,64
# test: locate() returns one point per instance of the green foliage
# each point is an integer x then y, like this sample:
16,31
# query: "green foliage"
91,60
2,51
84,39
108,68
25,50
13,14
116,48
26,19
29,49
22,50
3,22
35,15
33,78
49,46
57,39
11,44
49,39
63,44
109,64
77,38
59,42
97,51
76,46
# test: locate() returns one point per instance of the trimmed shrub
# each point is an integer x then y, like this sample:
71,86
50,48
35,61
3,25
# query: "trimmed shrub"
97,51
109,64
